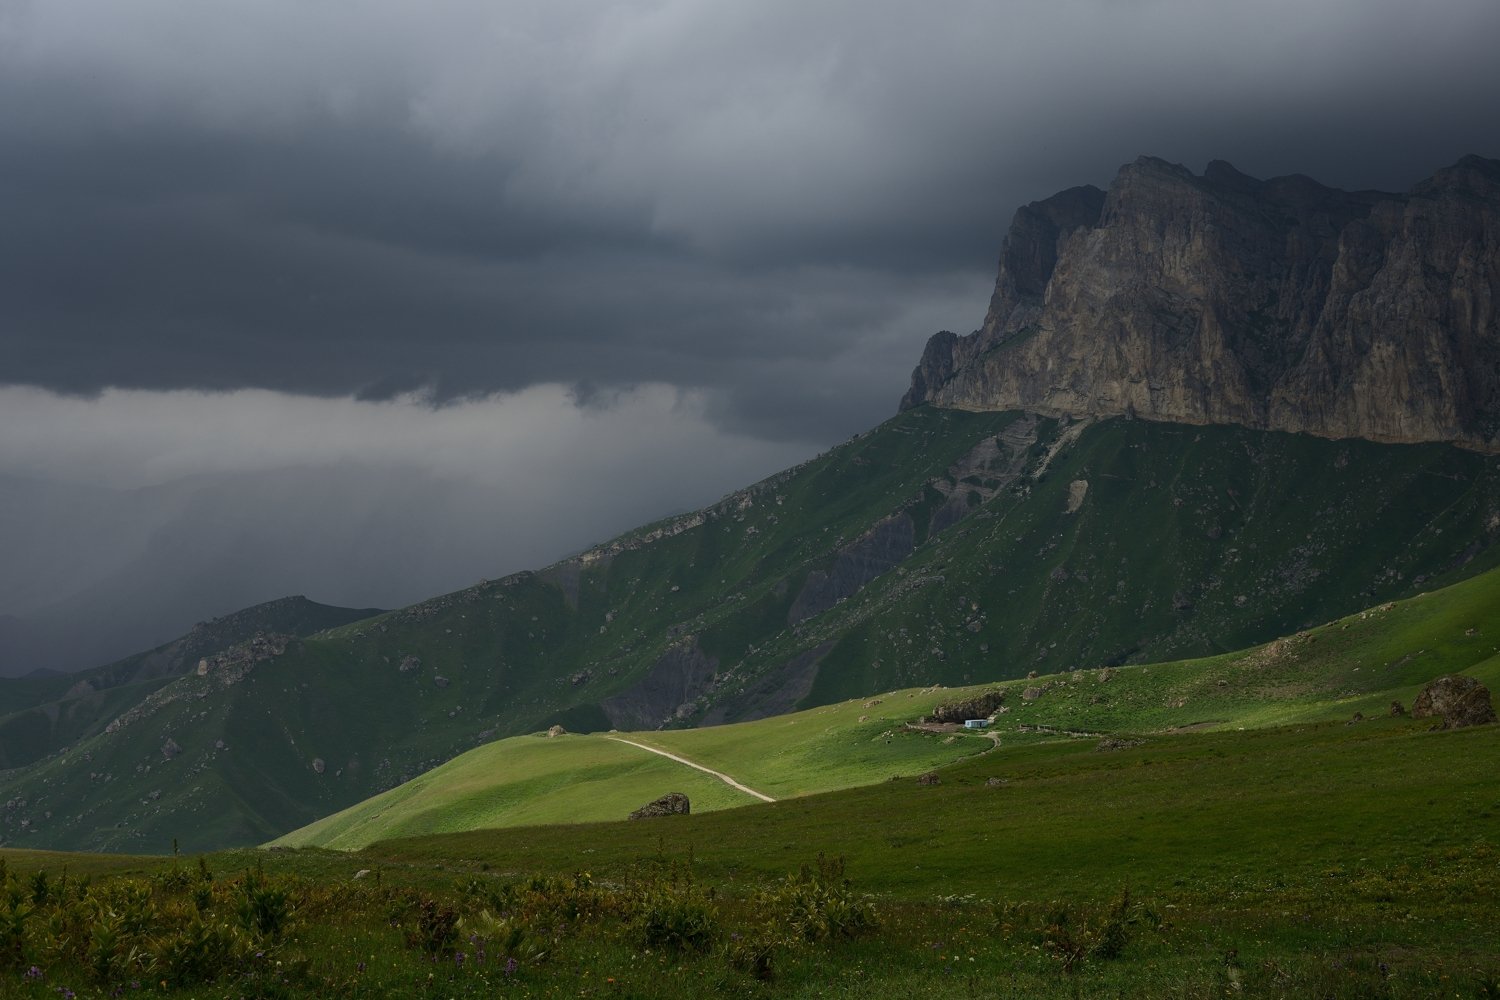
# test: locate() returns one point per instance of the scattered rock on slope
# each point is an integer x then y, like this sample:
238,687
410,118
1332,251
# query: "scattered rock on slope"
1459,700
671,804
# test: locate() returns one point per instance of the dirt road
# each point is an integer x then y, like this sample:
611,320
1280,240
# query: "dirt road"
706,770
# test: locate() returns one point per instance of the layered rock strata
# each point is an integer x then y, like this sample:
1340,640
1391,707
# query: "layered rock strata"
1278,304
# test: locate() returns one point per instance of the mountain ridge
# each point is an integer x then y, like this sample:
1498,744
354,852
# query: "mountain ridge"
41,714
1218,298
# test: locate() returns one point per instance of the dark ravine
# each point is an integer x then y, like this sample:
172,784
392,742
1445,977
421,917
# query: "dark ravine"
1221,299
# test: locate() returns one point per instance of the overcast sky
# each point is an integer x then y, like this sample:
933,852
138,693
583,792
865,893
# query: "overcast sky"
239,236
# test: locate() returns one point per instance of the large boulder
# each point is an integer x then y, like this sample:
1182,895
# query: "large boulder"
671,804
1460,701
979,707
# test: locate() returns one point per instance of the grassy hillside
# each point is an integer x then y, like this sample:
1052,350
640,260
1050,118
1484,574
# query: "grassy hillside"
536,780
941,548
1357,664
41,715
1319,859
1281,804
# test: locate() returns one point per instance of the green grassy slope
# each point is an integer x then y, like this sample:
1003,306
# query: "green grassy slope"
1310,860
1311,805
1358,664
41,715
941,548
531,780
1187,541
523,781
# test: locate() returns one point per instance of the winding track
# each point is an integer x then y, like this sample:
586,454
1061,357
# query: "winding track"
706,770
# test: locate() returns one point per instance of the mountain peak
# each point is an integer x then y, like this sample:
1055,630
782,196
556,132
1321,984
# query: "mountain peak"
1279,304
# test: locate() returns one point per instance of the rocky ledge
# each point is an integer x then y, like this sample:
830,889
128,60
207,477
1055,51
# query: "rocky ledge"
1278,304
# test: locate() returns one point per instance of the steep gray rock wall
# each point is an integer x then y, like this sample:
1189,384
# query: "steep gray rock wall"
1279,304
877,551
682,673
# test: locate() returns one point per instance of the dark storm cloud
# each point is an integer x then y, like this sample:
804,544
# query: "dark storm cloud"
469,284
370,196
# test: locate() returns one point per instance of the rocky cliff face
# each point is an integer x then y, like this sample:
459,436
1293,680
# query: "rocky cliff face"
1278,304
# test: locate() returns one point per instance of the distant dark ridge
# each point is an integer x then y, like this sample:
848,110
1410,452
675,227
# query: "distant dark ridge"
47,710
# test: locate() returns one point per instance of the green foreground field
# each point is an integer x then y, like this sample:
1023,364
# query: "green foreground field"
1312,860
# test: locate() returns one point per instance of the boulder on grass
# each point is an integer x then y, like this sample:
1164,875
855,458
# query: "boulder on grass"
671,804
1458,700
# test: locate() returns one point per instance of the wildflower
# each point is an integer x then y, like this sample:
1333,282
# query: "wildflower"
360,967
458,958
33,973
511,965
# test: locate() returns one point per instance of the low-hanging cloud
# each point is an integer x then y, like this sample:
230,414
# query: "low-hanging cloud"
538,443
141,512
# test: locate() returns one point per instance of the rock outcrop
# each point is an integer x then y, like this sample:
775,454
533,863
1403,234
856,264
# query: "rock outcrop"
1279,304
671,804
1458,700
1112,743
981,706
874,553
683,672
224,669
